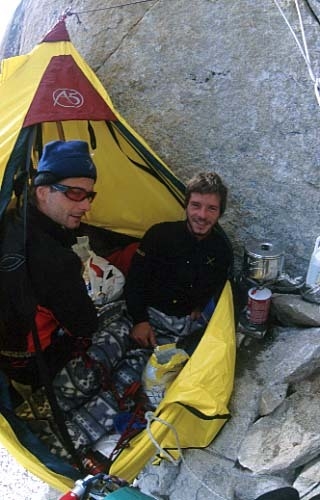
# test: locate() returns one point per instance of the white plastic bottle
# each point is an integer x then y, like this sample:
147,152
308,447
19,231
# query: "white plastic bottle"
313,274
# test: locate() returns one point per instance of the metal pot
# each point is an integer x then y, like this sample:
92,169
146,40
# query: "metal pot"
263,261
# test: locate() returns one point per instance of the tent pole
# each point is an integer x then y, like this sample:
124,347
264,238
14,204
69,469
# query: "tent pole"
60,130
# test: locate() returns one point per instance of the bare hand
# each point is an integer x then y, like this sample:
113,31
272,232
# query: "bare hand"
144,335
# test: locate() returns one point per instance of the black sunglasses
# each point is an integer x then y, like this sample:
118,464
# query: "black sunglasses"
74,193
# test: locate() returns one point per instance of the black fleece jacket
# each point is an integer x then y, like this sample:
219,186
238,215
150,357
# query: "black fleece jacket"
56,274
176,273
51,277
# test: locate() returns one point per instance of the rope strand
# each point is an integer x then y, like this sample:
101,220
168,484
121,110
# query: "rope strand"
303,49
76,13
151,417
306,51
312,11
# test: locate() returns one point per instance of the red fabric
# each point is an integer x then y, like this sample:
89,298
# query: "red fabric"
122,258
97,269
65,93
58,33
46,324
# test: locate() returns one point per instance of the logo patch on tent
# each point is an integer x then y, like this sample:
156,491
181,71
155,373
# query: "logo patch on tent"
67,98
65,92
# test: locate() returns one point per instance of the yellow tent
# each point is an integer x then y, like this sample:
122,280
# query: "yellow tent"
52,94
196,402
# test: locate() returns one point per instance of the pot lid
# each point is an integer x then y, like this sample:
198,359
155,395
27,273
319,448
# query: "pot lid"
266,249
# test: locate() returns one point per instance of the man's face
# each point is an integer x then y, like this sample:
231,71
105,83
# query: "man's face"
59,208
203,212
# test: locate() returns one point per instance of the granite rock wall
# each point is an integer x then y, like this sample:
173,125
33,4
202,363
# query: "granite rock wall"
272,438
215,85
221,85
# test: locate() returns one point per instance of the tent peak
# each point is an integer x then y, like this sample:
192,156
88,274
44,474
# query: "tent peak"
58,33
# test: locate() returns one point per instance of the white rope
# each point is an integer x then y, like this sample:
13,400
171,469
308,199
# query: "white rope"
291,29
303,49
306,51
151,417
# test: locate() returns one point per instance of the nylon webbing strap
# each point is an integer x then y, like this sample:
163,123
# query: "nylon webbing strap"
56,411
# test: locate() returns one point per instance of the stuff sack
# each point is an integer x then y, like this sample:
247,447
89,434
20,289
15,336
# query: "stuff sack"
105,282
161,369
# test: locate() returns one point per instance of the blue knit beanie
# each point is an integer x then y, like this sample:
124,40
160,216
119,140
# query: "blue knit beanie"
61,160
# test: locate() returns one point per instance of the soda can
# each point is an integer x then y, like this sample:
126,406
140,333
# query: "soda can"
259,300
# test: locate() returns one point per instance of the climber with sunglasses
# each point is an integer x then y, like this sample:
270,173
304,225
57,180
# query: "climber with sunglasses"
63,185
49,293
61,193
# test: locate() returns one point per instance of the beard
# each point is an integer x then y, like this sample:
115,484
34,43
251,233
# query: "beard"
203,230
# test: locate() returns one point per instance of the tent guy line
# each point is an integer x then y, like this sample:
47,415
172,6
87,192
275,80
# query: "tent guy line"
76,13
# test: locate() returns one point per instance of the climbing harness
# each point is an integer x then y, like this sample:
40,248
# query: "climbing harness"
303,47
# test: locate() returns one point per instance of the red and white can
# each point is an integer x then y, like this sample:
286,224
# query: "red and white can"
259,300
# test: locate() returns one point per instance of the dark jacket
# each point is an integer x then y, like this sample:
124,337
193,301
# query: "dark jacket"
176,273
51,278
